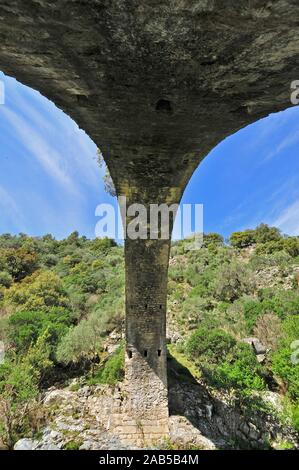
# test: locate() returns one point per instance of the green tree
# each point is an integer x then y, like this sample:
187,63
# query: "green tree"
232,281
264,233
24,328
242,239
213,239
20,262
41,290
209,344
6,279
241,372
285,360
19,390
82,342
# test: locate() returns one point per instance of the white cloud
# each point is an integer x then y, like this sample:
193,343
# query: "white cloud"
41,150
42,140
288,219
288,141
58,130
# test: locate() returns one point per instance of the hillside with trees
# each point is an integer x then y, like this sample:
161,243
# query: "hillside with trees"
233,321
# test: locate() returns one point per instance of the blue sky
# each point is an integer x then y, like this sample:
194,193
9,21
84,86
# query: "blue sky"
50,181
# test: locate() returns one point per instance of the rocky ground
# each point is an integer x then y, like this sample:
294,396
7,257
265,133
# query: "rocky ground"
79,419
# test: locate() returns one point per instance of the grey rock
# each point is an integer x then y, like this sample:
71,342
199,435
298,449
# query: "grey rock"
50,447
87,445
84,391
259,348
261,358
26,444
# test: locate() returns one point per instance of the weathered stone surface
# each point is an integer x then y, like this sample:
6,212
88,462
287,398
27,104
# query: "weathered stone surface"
258,347
197,419
156,85
229,425
184,433
25,444
57,396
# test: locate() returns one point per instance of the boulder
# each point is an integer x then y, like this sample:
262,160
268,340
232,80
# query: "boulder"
257,346
26,444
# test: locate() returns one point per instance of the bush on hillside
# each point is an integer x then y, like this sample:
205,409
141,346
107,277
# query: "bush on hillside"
232,281
241,372
41,290
20,378
113,370
209,344
262,234
285,361
24,328
82,342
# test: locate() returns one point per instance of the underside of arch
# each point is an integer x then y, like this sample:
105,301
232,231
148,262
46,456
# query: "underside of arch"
156,85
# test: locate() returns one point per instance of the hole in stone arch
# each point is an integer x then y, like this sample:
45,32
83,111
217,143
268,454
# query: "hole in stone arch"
160,306
145,306
159,352
82,99
164,105
145,353
130,354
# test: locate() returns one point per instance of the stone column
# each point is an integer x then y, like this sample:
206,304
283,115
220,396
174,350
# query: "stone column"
146,356
145,405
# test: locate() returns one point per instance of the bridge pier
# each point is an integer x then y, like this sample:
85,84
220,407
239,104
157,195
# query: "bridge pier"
146,354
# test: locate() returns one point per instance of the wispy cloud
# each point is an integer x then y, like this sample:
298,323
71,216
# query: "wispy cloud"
290,140
288,219
40,149
77,152
48,167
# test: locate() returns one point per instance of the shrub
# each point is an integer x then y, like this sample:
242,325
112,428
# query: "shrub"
288,245
82,342
5,279
242,372
41,290
73,445
279,303
113,370
283,363
19,388
210,344
268,327
231,282
242,239
252,310
25,327
194,310
20,262
286,371
262,234
102,244
212,240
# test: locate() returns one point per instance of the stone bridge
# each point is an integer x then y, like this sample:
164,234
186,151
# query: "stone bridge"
156,84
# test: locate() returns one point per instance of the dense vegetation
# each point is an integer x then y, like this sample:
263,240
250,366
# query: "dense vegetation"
60,300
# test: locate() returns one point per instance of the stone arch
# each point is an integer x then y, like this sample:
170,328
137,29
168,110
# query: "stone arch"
218,66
